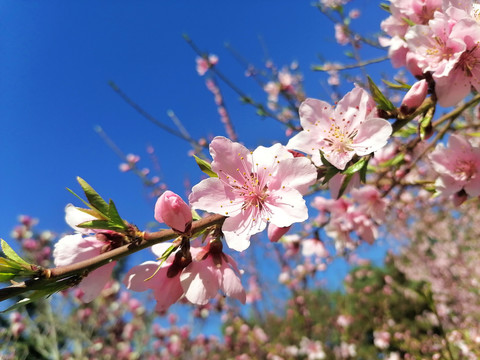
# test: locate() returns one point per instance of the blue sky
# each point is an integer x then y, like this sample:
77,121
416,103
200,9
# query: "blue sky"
58,56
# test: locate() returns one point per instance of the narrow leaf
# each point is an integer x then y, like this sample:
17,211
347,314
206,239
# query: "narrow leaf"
363,173
11,254
4,277
93,212
164,257
400,86
195,215
385,7
93,197
101,224
382,102
115,216
331,172
345,183
357,166
78,197
205,166
398,159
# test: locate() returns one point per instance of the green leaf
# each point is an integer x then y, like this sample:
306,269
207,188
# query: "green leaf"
92,212
425,126
331,170
9,265
11,254
382,102
114,216
4,277
398,159
385,7
345,183
164,257
101,224
261,112
95,200
399,86
205,166
352,169
408,21
407,131
35,295
195,215
363,173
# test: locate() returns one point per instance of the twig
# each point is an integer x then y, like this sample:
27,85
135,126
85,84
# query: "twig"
72,271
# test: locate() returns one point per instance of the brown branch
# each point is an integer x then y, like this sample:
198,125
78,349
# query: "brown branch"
80,269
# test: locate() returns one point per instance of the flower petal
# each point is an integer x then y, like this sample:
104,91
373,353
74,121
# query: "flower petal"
199,282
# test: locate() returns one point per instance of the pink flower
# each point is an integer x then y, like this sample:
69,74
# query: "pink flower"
371,202
414,97
254,188
204,64
165,284
313,349
314,247
275,233
351,128
211,271
465,74
341,35
458,165
71,249
381,339
173,211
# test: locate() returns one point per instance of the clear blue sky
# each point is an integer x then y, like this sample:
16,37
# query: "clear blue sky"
56,60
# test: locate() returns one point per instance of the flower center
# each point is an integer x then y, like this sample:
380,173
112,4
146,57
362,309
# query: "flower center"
339,139
465,170
468,61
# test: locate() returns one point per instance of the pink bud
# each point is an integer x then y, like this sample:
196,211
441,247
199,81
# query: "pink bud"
414,97
173,211
275,232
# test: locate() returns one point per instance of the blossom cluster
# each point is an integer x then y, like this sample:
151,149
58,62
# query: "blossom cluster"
361,214
458,167
438,39
197,279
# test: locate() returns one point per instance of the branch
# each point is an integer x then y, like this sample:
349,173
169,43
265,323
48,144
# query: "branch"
72,274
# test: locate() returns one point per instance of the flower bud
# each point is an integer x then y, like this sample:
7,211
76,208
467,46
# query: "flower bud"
173,211
414,97
275,232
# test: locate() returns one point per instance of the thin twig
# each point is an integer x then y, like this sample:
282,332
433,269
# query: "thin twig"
64,273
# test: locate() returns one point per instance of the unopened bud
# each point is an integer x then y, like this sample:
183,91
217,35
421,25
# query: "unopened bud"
275,232
173,211
414,97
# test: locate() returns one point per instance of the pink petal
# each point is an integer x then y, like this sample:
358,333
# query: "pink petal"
275,232
315,114
136,276
238,230
199,282
287,207
211,195
372,135
94,283
168,292
231,284
71,249
74,217
229,156
296,173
